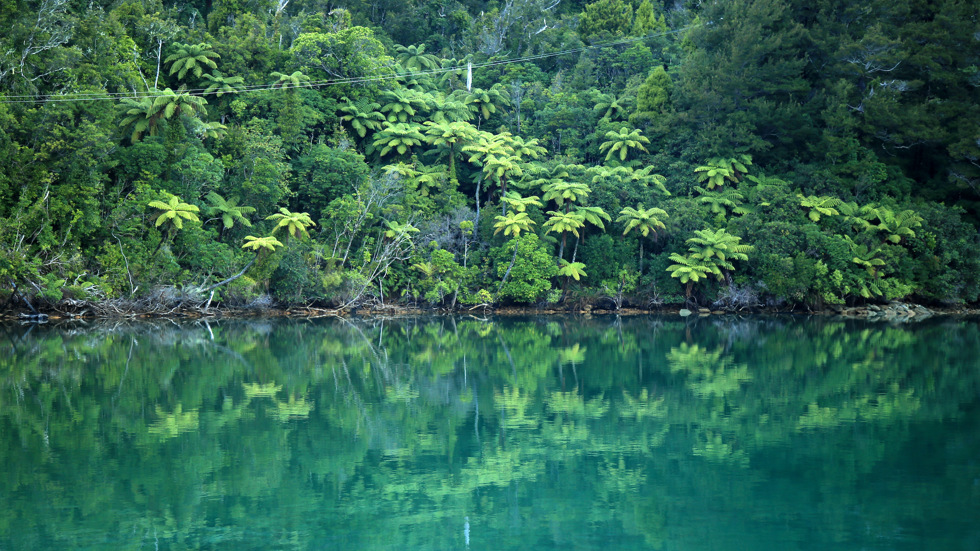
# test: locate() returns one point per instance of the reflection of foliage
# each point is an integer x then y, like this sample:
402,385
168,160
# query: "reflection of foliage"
713,447
171,425
404,423
709,373
572,404
294,408
642,406
894,404
256,390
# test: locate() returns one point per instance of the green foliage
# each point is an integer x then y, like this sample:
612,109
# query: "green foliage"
486,102
229,211
257,244
530,278
643,220
564,222
518,203
295,223
613,108
623,142
191,57
441,277
606,18
562,192
573,270
362,115
720,171
710,252
288,82
348,53
654,94
513,223
863,120
325,173
718,244
647,21
820,206
414,58
174,212
689,269
220,85
721,201
400,138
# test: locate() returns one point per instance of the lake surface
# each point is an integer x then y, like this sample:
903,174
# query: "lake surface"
467,433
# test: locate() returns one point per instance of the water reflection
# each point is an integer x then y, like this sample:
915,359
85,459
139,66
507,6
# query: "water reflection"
446,433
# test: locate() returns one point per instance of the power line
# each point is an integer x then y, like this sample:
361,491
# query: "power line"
106,96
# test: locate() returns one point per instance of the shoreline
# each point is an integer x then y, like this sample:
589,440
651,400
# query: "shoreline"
894,311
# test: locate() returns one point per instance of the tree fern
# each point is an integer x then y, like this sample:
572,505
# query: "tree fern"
228,210
819,206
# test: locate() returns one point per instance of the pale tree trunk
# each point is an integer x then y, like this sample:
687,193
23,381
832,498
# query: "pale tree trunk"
561,249
159,53
517,245
212,288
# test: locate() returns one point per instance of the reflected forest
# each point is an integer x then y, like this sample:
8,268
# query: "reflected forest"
451,433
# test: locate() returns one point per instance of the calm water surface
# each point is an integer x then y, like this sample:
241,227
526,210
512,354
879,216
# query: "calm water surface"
465,433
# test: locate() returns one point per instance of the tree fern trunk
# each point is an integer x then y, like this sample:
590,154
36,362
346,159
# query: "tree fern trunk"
641,256
561,249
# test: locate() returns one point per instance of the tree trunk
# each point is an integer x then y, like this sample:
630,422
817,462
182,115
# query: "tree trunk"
163,238
477,195
452,166
641,257
156,79
234,277
517,245
561,249
503,191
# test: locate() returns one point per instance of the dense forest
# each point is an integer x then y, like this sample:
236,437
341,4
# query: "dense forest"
454,153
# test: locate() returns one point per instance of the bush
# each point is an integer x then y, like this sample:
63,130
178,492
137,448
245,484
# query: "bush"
530,278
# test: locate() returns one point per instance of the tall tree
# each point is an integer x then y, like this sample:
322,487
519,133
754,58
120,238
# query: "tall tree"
290,116
645,221
452,136
606,19
742,87
563,223
513,224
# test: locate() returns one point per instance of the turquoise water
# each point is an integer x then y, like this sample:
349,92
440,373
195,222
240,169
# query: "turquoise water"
467,433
